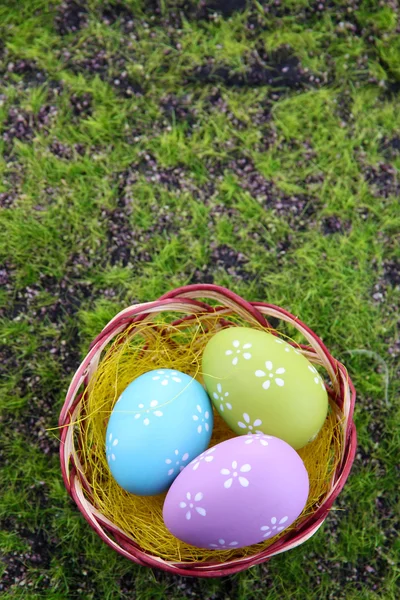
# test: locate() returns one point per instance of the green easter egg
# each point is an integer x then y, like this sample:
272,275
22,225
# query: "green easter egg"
259,383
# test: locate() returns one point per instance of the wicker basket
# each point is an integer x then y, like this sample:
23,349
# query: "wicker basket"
185,300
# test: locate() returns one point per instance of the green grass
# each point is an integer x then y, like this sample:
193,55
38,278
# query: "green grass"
70,220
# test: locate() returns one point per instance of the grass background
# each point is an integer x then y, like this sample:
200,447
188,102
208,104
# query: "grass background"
146,145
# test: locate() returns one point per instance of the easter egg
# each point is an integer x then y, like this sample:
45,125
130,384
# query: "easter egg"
260,383
161,421
240,492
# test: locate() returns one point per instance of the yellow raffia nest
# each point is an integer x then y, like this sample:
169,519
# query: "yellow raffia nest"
142,347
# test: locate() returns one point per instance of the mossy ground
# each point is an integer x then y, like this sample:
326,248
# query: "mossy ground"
146,145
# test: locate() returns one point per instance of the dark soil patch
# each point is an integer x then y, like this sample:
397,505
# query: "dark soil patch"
45,116
334,224
67,295
63,299
127,246
123,244
392,90
222,258
38,418
171,18
390,148
81,104
95,62
21,124
226,258
166,222
7,199
379,292
216,103
71,17
297,210
384,180
342,15
42,549
177,109
283,246
203,275
5,276
219,211
111,13
62,347
253,232
64,151
391,270
120,239
176,179
279,69
126,85
15,571
224,7
112,70
29,72
12,180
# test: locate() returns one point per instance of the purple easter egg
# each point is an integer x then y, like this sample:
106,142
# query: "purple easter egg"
240,492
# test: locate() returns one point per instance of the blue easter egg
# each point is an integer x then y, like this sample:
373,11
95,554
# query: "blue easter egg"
160,423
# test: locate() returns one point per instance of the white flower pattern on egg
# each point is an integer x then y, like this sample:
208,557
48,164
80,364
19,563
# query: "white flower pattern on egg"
288,347
220,396
202,418
110,447
317,376
249,425
257,437
237,351
146,412
166,377
234,473
175,462
270,375
206,456
222,544
190,505
274,526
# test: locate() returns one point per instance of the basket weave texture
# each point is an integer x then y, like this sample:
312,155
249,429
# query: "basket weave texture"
186,300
